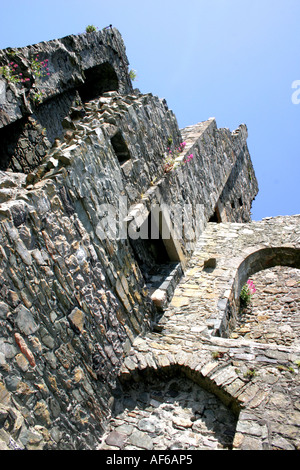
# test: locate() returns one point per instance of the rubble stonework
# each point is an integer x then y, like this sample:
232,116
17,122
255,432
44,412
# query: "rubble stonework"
256,377
98,322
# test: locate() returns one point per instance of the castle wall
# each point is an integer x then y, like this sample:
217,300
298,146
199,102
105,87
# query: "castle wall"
80,285
73,297
95,61
255,375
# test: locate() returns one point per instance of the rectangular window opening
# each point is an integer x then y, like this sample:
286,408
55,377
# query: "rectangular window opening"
120,148
216,217
156,257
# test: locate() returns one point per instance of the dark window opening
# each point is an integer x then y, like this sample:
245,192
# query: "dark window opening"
216,217
240,201
98,80
149,248
160,269
9,137
120,147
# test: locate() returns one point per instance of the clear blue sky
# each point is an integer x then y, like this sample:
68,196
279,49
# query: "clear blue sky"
234,60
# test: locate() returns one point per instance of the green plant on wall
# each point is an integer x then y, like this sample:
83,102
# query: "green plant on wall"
36,72
38,96
9,73
246,293
250,373
39,68
170,142
132,74
91,28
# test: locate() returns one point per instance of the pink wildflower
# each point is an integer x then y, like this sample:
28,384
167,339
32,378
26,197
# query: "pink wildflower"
251,286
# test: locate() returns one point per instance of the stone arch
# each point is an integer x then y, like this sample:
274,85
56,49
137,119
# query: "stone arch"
98,80
265,258
258,259
171,407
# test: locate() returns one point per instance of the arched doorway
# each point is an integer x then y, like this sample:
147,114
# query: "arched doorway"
267,258
273,314
257,261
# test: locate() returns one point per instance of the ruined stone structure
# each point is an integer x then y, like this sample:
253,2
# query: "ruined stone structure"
120,276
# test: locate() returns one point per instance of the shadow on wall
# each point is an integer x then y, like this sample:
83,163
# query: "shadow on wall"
22,145
171,408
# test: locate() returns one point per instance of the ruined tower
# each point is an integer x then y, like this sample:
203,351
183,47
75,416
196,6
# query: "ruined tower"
125,242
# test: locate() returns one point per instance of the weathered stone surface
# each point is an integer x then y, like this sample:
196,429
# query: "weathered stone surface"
274,307
25,321
76,319
141,440
180,418
115,439
25,350
256,372
76,312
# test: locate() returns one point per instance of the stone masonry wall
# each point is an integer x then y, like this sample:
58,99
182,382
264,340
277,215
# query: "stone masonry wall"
73,301
273,314
252,369
73,290
96,61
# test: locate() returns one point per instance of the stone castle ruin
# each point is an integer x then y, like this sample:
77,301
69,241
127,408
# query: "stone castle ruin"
125,243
